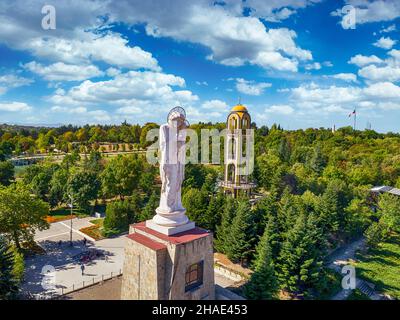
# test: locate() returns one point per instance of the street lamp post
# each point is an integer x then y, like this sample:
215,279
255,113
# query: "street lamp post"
71,207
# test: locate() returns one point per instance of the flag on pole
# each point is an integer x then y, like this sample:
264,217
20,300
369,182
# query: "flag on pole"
353,113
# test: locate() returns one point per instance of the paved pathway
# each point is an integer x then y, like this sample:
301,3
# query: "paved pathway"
63,258
342,257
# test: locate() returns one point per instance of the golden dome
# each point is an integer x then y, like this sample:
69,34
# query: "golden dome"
239,108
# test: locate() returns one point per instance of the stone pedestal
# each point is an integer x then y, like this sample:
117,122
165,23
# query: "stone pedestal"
159,266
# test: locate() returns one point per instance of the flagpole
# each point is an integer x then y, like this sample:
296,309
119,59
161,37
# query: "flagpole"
355,118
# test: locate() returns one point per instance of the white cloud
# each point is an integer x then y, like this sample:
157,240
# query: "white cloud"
361,61
349,77
10,81
250,87
196,114
131,92
375,73
85,115
81,35
64,72
313,66
112,72
277,10
232,38
280,109
15,107
215,105
385,43
313,98
388,29
73,110
110,48
202,83
373,11
383,90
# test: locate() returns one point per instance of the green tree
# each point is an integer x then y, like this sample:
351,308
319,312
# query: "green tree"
214,211
117,217
223,230
241,239
332,206
263,283
58,187
389,211
8,283
317,161
121,176
83,187
149,209
196,204
21,214
6,173
375,234
299,264
19,265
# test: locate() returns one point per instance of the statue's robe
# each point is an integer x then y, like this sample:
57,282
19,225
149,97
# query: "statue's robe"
172,167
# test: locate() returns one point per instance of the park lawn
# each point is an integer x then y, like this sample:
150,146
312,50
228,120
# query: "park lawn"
381,266
95,231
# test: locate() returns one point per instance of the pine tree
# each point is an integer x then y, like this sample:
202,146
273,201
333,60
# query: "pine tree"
288,211
263,283
135,204
196,203
241,238
266,208
8,285
284,150
223,230
149,210
317,161
214,211
299,265
272,236
331,207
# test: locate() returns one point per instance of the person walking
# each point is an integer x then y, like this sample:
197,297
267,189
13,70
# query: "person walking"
83,268
84,241
106,257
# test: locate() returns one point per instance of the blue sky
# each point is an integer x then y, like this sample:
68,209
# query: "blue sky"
291,62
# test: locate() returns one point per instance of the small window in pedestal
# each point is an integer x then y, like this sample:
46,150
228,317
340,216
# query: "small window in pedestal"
194,276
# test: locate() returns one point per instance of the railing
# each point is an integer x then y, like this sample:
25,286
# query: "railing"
59,292
240,185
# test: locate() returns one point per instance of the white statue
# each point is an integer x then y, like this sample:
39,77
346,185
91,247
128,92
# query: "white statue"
170,212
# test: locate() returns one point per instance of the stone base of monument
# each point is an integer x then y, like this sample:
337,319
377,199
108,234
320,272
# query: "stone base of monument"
158,266
169,231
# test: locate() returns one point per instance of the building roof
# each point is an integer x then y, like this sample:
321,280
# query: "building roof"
239,108
386,189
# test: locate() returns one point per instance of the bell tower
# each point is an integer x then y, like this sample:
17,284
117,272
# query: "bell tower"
237,157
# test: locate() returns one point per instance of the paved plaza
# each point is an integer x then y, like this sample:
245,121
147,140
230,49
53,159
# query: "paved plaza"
67,273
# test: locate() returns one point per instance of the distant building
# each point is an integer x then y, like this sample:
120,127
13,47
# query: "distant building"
376,191
236,177
386,189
